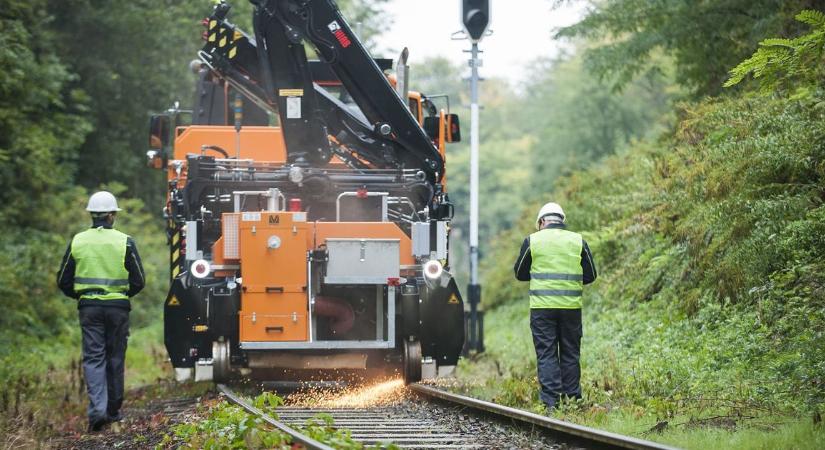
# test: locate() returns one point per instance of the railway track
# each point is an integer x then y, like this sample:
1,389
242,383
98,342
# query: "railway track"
436,419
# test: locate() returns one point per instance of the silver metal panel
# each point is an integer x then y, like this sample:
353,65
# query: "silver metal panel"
391,315
191,240
350,259
231,242
319,345
420,239
275,200
291,360
356,280
441,240
311,297
379,312
328,345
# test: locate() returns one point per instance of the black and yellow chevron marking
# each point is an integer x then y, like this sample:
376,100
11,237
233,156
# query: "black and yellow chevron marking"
175,259
223,39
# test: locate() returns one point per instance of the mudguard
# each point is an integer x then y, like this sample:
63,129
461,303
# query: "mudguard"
442,327
184,308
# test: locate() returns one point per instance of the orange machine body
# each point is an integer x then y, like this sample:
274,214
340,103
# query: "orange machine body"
271,250
257,143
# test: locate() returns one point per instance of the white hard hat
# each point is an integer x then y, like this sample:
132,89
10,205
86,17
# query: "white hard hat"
549,208
102,201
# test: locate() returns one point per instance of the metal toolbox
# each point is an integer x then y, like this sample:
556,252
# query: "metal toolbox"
362,261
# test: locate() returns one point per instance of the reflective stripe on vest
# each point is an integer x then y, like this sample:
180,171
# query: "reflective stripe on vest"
555,270
100,270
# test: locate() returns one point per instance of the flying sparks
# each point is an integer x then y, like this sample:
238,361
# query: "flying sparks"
381,393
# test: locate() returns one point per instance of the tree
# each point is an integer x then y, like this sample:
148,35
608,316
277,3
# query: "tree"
787,64
42,119
577,119
705,38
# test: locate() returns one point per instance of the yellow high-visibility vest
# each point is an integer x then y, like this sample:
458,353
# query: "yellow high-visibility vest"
100,270
555,270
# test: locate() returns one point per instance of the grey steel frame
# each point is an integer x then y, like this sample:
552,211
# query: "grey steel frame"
379,343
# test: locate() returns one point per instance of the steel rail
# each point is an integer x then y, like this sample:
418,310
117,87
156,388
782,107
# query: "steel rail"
605,438
297,436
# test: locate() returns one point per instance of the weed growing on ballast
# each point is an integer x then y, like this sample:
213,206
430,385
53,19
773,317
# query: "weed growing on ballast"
226,426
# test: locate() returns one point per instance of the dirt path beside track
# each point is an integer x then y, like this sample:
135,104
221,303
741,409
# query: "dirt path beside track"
149,414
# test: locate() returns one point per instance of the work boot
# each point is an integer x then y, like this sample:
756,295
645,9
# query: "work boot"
96,425
116,417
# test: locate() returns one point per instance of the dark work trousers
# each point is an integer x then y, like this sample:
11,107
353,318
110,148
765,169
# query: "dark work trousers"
557,337
105,331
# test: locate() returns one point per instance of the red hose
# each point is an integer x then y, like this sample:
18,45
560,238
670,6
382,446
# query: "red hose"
338,310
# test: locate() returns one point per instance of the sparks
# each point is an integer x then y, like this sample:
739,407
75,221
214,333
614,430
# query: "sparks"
382,393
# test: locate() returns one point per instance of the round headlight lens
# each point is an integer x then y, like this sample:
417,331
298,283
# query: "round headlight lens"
200,268
433,269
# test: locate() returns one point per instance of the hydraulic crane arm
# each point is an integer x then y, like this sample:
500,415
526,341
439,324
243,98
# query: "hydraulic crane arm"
273,69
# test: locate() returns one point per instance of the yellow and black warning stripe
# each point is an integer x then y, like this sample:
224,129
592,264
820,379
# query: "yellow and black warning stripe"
175,257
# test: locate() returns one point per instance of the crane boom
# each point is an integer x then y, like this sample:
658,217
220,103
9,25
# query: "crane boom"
272,68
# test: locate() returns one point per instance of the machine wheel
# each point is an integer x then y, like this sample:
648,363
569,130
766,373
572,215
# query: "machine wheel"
220,361
412,361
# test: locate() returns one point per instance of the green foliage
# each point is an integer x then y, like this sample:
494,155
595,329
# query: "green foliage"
322,428
704,38
229,426
559,121
710,254
787,64
41,121
573,119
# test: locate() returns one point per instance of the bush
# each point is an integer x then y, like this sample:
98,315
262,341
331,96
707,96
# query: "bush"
709,245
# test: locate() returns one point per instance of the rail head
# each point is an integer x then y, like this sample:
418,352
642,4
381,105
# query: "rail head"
297,436
604,438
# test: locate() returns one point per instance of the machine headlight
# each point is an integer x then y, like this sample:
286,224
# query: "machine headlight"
433,269
296,174
200,268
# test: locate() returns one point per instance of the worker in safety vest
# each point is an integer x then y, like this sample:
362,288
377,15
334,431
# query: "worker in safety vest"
557,263
102,269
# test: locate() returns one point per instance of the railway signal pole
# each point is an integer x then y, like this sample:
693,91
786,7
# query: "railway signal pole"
475,15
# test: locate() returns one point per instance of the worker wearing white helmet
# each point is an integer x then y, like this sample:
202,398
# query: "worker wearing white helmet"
557,263
102,270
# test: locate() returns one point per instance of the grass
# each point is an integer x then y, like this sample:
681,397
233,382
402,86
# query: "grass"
43,392
146,359
506,374
707,322
224,425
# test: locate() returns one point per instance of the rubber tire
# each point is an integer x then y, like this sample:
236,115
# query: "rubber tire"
412,361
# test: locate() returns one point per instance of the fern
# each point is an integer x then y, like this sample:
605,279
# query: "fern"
812,17
784,63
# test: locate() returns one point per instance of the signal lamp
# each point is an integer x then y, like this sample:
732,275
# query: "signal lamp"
476,17
200,268
433,269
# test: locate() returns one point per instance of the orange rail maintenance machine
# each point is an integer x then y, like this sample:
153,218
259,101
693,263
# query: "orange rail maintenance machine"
307,211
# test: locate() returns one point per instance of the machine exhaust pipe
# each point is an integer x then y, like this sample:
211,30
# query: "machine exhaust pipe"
338,310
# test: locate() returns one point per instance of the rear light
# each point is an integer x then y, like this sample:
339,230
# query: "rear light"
200,268
362,193
295,205
433,269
